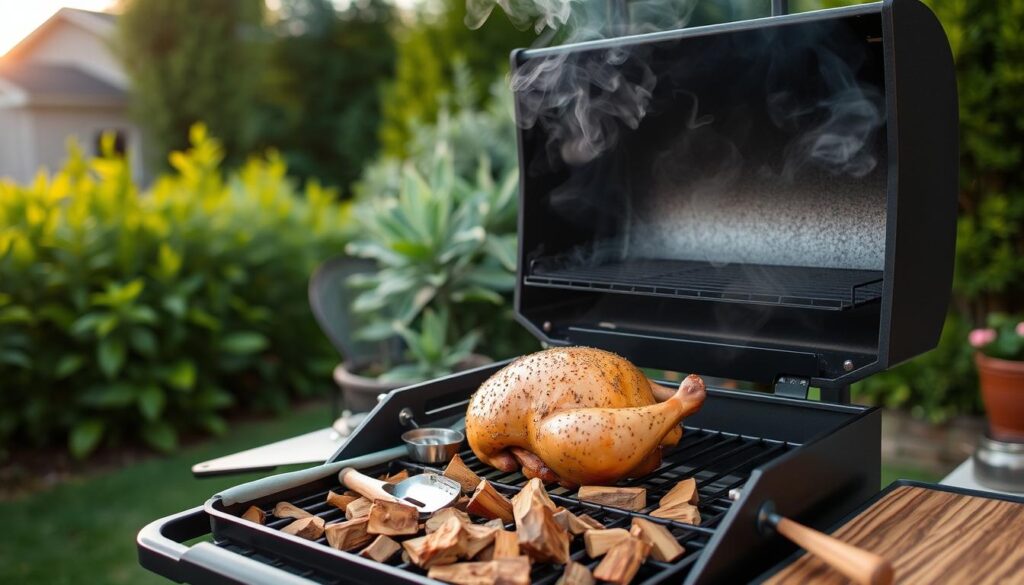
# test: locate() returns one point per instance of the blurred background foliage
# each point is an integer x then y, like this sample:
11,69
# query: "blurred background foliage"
128,314
129,311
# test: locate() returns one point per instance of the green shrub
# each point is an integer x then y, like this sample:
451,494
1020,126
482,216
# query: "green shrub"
446,252
128,314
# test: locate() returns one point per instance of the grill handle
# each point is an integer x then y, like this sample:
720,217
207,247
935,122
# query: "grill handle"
861,566
161,551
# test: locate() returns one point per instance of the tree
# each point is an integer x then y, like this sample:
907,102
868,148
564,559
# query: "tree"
192,61
430,50
321,97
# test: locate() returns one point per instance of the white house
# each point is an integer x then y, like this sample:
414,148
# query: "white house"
63,80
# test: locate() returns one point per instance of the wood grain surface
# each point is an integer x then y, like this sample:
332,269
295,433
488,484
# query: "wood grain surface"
931,537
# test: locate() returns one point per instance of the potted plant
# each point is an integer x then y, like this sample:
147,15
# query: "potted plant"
1000,361
444,250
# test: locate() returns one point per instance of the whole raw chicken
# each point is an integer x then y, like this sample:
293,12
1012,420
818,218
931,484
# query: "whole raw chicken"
578,416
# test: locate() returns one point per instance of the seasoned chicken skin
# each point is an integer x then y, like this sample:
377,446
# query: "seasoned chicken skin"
578,416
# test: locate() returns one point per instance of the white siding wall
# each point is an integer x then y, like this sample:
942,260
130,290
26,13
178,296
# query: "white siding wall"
16,144
68,44
55,126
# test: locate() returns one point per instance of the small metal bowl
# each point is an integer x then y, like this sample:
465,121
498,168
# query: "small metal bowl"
432,445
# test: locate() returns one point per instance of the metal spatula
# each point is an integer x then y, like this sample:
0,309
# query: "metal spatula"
427,492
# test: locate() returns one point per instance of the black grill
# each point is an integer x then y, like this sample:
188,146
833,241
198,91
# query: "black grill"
820,288
719,461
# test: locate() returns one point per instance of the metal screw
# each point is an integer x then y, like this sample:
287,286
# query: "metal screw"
848,365
546,326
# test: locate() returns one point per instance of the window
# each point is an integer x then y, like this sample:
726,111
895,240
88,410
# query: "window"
120,141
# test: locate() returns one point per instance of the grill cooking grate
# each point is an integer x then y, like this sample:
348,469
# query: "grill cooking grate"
719,461
793,286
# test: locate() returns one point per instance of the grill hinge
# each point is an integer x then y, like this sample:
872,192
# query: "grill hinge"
792,386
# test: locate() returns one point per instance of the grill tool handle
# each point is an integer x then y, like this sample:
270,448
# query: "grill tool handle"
368,487
861,566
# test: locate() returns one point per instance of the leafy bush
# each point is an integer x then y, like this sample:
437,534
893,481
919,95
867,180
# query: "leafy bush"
445,248
127,314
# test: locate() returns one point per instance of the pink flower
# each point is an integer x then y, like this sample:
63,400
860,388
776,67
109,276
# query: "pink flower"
981,337
1020,328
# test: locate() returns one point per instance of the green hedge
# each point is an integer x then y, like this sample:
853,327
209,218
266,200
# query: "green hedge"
127,314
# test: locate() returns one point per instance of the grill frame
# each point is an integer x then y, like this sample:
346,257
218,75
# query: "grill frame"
832,466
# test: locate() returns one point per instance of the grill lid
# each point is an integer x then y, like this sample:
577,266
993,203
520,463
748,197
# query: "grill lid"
775,197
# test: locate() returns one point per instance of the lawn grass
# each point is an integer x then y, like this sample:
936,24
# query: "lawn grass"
83,531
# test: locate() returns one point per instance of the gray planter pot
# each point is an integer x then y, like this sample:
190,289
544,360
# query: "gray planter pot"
360,393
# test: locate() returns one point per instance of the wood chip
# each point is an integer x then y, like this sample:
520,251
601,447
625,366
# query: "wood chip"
686,513
340,501
358,508
497,572
590,521
392,519
541,537
310,527
575,574
506,544
599,542
437,518
462,503
478,537
458,471
381,549
489,503
254,514
627,498
622,562
684,492
286,510
441,547
664,546
397,477
348,535
571,522
531,496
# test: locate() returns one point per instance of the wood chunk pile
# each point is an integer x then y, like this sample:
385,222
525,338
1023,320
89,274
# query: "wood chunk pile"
454,549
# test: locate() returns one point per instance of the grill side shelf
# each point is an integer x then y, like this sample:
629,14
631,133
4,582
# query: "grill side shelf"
815,485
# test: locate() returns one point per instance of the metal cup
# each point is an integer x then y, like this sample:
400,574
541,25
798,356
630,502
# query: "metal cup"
432,445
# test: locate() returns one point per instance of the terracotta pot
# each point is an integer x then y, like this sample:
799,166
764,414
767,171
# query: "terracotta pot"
360,392
1002,391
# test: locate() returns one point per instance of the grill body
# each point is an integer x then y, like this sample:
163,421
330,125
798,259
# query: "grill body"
815,461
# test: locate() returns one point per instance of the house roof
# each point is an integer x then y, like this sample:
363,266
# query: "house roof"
46,84
99,23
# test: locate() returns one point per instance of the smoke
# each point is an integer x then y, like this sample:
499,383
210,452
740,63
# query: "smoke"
849,116
539,14
583,100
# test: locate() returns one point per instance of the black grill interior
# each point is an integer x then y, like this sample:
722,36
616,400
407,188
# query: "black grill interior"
793,286
719,461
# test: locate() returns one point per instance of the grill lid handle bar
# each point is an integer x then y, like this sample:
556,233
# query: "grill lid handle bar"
283,481
861,566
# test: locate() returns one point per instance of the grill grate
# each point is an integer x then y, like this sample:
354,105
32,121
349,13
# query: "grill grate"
719,462
822,288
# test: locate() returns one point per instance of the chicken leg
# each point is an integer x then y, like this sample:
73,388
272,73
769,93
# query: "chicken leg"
594,446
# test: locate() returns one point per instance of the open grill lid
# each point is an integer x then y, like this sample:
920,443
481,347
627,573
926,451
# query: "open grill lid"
754,200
